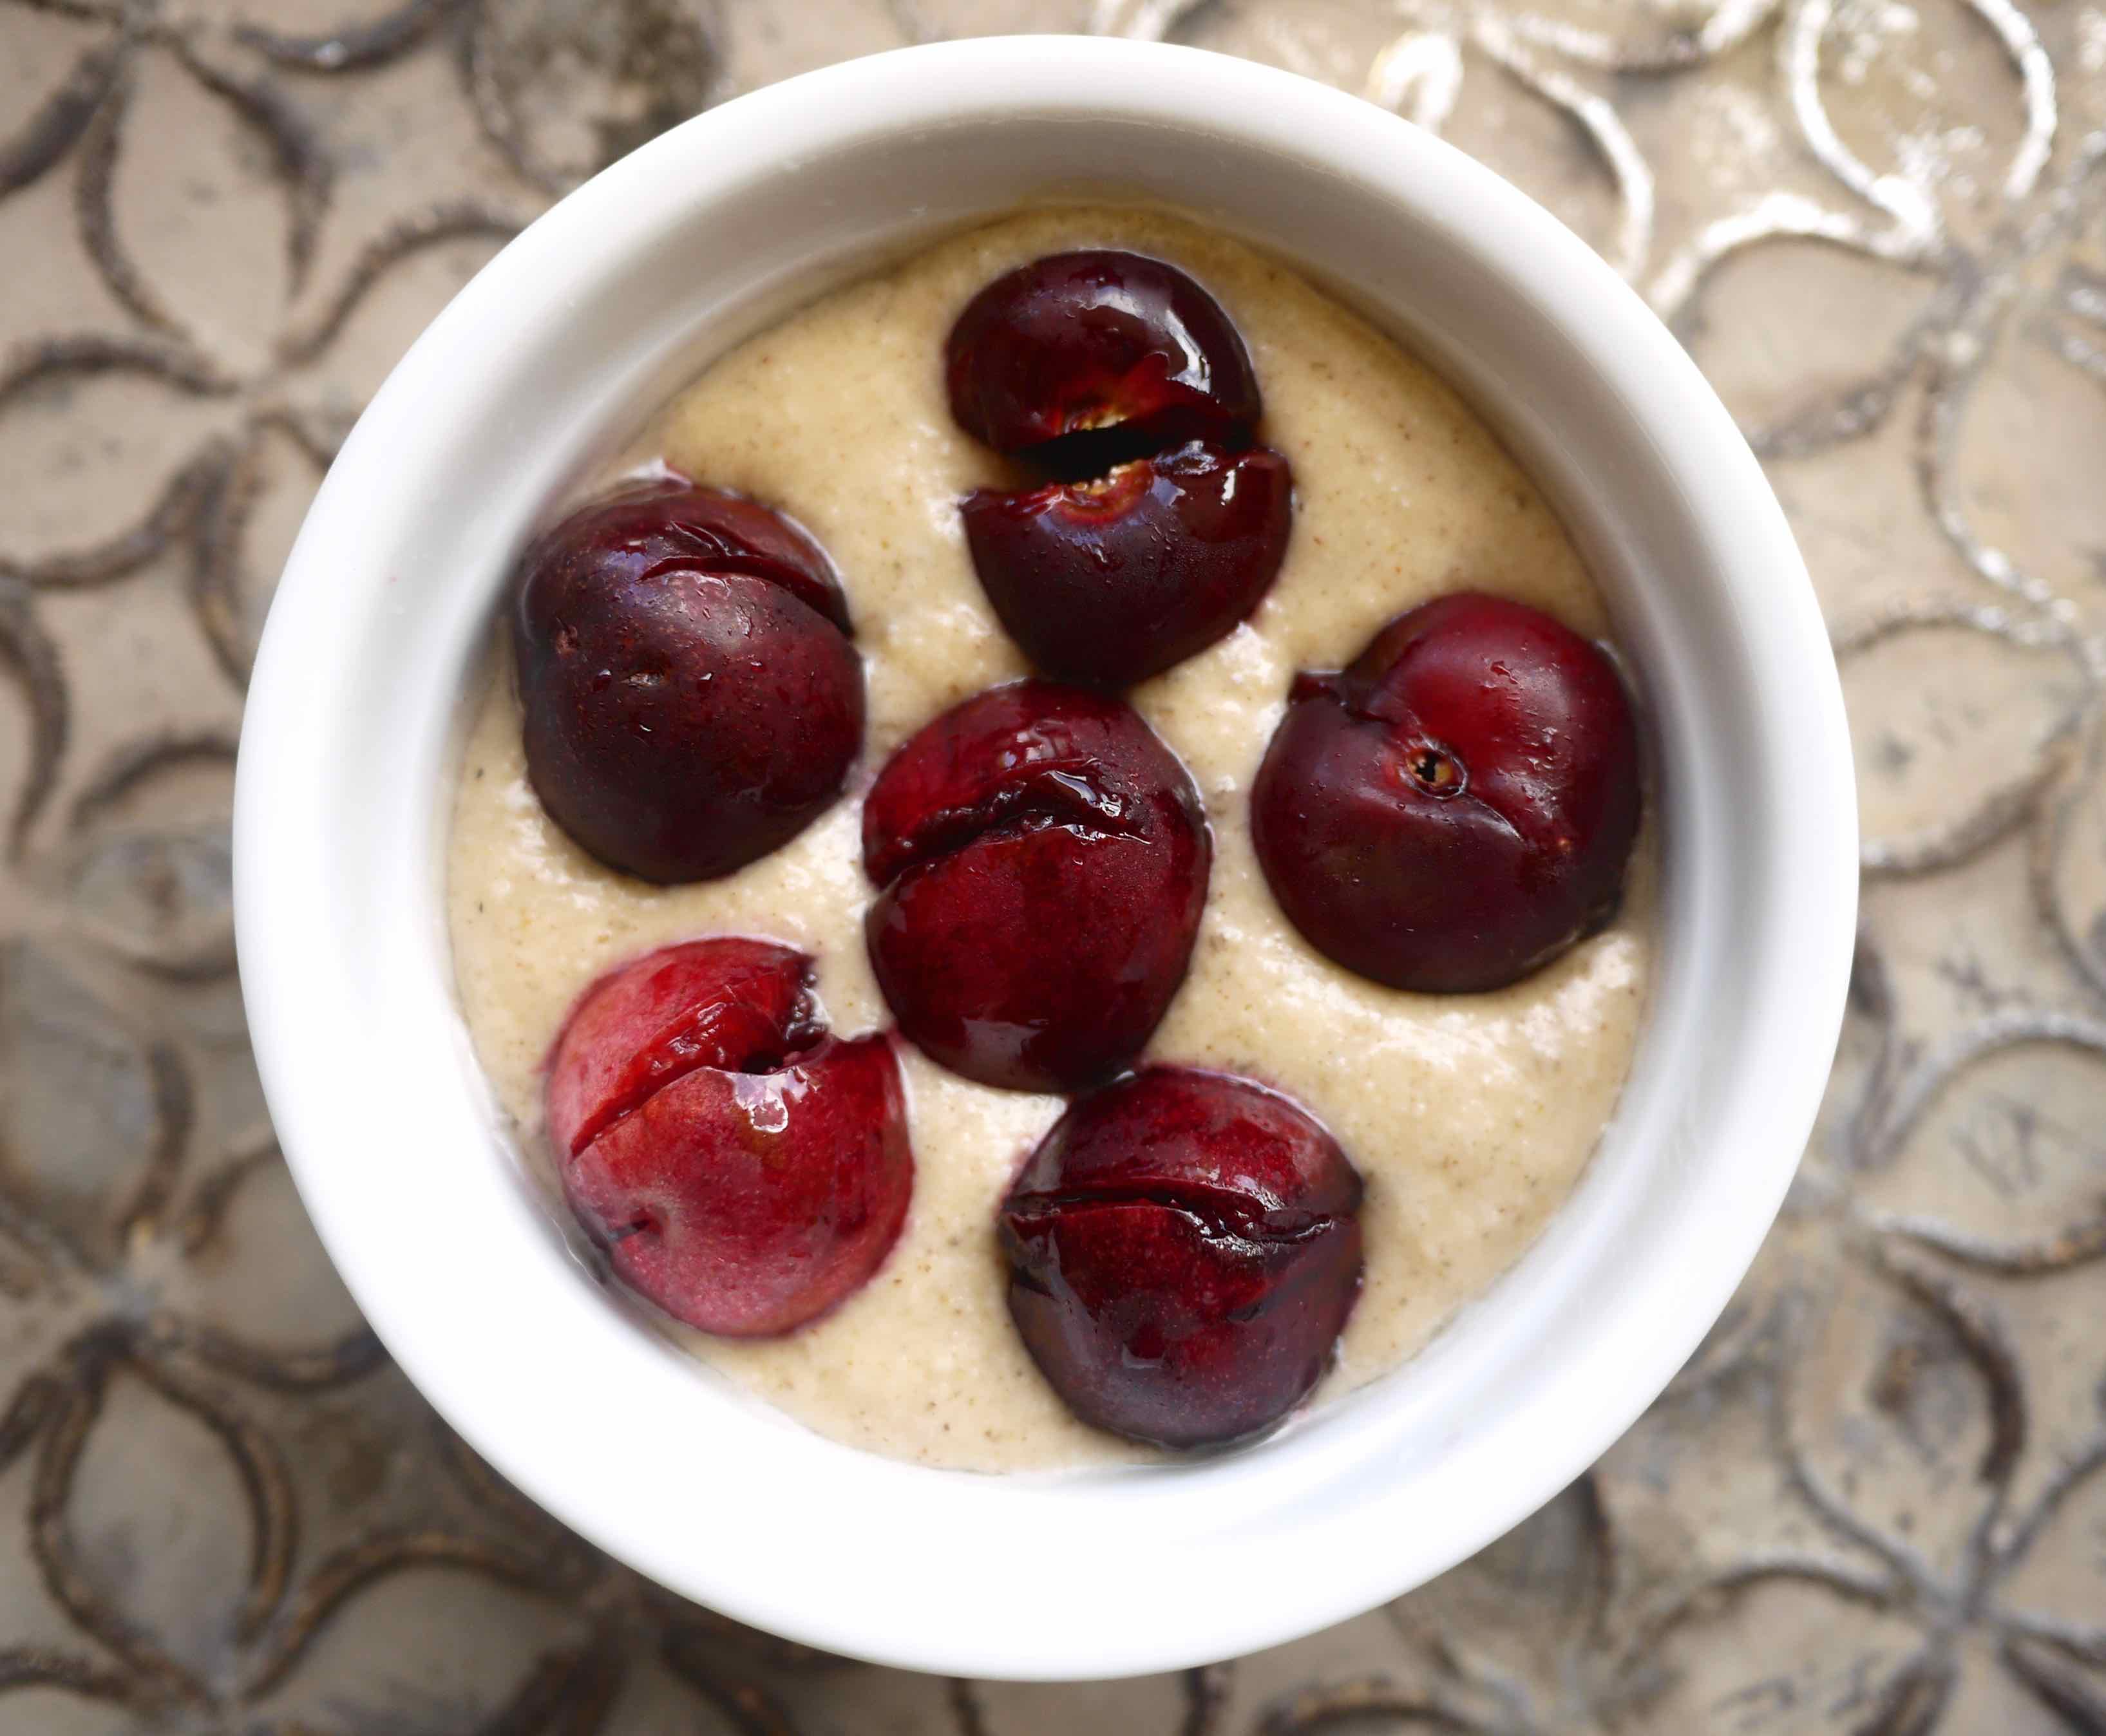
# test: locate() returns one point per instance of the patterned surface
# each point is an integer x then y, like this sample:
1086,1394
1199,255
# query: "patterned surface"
1874,1505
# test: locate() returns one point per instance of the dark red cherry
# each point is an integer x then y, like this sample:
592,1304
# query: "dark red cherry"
1183,1248
1083,342
744,1170
1114,580
1042,859
1455,809
691,700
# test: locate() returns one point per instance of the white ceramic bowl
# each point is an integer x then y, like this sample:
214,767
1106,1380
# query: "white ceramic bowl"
560,346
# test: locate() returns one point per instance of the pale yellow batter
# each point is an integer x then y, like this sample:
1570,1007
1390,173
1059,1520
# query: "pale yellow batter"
1470,1117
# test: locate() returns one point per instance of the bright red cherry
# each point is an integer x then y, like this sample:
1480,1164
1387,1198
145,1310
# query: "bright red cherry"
1455,809
1042,859
692,700
744,1170
1183,1248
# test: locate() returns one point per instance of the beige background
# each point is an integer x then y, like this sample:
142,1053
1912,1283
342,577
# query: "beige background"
1874,1505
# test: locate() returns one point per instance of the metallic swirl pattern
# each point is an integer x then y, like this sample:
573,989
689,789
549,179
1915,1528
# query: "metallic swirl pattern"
1873,1504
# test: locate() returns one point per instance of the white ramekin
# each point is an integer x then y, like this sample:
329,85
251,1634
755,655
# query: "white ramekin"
557,348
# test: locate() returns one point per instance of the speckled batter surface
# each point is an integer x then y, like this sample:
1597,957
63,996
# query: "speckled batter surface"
1470,1117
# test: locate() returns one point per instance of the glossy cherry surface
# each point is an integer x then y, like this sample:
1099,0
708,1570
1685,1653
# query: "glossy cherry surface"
692,699
1183,1248
1082,342
1114,580
1455,809
1042,859
743,1170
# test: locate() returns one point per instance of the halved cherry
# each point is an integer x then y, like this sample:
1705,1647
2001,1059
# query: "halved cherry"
744,1170
1042,861
1184,1249
1114,580
1082,342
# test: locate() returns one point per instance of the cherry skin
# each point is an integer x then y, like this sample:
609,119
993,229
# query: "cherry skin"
1082,342
1454,809
1042,859
692,699
1116,580
1183,1248
744,1170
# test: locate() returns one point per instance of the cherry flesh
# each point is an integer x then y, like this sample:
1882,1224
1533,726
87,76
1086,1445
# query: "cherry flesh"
1116,580
1042,859
1454,809
1075,343
692,699
1183,1248
744,1170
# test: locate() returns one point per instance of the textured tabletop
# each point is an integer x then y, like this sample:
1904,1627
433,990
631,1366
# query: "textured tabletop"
1875,1504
